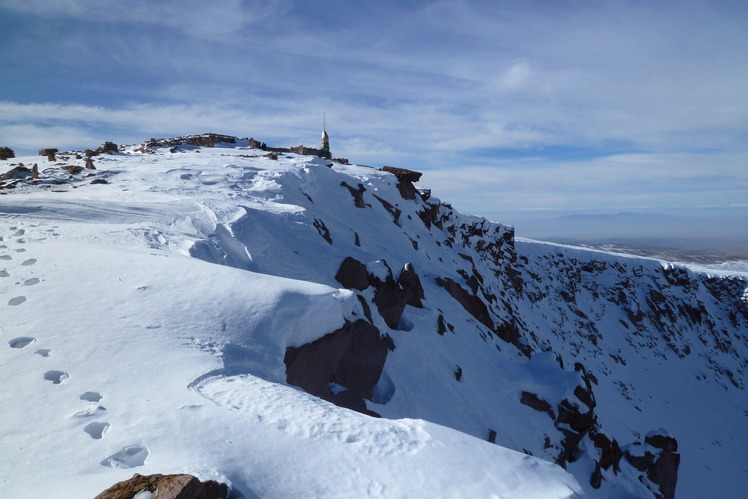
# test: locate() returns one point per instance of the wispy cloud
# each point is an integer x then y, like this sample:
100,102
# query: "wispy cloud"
488,97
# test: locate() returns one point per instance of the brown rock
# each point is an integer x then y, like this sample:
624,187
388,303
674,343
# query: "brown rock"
99,181
74,169
90,164
166,487
7,153
48,151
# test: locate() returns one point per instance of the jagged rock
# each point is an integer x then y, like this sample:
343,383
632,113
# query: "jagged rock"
35,171
390,299
89,153
271,155
7,153
90,164
532,400
471,303
394,211
166,487
351,357
411,283
664,469
358,194
322,230
352,274
48,151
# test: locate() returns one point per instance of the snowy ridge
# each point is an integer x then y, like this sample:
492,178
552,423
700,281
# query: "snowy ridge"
123,299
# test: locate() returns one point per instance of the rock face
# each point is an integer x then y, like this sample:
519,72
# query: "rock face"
166,487
342,367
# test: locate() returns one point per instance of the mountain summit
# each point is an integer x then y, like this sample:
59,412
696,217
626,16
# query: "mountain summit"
294,326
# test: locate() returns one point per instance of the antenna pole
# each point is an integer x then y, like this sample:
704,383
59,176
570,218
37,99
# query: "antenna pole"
324,129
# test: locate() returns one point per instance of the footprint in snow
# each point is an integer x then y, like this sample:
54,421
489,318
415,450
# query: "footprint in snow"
4,273
30,261
96,430
16,301
20,250
131,456
31,282
19,232
56,377
44,352
21,341
6,257
91,396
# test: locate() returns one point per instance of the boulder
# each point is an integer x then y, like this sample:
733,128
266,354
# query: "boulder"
17,172
351,357
7,153
47,151
90,164
411,283
166,487
352,274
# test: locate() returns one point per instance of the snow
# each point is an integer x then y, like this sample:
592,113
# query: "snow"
146,321
127,354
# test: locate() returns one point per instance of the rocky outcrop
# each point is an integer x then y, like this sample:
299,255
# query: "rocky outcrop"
341,367
353,274
107,148
390,295
471,303
166,487
7,153
49,151
659,460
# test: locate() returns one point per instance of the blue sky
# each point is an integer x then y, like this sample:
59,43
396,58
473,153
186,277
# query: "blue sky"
507,106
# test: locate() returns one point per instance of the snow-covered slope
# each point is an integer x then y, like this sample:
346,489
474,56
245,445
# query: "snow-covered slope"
155,324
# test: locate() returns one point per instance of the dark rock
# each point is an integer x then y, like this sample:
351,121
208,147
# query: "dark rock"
99,181
610,451
271,155
89,153
7,153
390,299
107,148
394,211
353,274
358,194
48,151
166,487
664,469
209,139
51,157
342,161
491,436
90,164
35,171
532,400
407,190
411,283
352,357
471,303
322,230
458,373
